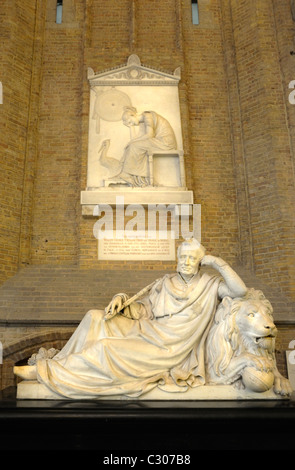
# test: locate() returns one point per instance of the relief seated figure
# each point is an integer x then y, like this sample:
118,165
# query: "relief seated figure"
155,133
158,340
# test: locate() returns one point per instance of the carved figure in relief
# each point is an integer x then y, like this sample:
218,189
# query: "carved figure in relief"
240,347
157,339
155,133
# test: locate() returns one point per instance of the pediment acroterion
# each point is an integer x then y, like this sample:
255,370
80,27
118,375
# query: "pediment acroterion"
133,73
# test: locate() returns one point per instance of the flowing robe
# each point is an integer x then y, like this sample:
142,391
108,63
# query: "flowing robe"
163,348
135,156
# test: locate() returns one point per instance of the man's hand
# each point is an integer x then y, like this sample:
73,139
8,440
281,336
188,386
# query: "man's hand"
114,307
232,284
213,261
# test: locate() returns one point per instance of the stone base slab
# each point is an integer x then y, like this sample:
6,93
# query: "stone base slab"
145,196
34,390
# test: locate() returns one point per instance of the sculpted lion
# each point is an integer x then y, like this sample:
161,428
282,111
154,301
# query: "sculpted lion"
240,347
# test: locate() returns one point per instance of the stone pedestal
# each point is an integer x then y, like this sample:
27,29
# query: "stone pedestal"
116,195
34,390
142,428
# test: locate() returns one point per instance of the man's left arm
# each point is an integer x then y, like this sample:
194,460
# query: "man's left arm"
233,286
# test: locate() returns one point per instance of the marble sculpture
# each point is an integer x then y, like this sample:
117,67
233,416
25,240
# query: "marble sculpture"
155,133
199,327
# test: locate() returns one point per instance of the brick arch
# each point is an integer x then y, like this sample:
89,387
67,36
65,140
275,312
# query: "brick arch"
21,350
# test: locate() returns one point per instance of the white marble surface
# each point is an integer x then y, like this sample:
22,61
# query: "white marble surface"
34,390
140,196
171,340
130,85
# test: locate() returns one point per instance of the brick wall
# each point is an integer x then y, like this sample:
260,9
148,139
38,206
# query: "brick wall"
56,192
241,116
258,63
237,130
208,128
17,58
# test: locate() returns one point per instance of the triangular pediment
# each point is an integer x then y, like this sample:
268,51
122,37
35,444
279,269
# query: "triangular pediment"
133,73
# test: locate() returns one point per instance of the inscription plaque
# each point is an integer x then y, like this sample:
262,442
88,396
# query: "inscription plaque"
137,248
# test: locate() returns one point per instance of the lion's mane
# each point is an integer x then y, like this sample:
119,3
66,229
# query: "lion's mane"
225,340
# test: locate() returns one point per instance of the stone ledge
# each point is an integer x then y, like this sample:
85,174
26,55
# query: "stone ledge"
33,390
144,197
